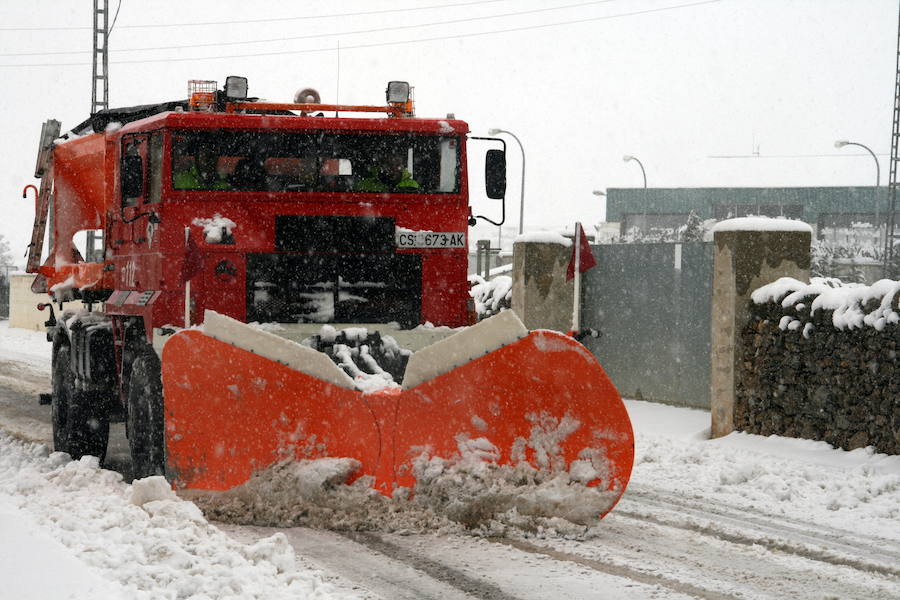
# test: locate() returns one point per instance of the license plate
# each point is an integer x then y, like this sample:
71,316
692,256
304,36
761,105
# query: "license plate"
430,239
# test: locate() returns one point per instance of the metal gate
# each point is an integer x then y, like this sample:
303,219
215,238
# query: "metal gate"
652,303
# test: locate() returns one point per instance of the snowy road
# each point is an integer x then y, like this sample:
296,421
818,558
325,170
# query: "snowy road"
652,546
742,517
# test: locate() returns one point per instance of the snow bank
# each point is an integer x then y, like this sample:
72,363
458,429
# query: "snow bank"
142,539
28,553
856,490
762,224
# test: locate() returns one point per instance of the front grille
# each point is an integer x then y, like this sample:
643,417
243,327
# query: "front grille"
334,288
339,235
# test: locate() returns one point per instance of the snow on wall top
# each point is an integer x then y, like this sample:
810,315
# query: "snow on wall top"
762,224
490,295
544,237
849,302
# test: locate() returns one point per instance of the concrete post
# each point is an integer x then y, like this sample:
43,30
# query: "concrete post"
541,296
749,253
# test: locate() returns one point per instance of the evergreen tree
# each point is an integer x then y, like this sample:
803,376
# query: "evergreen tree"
693,229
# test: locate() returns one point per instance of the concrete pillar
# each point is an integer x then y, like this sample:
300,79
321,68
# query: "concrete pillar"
541,296
749,253
23,312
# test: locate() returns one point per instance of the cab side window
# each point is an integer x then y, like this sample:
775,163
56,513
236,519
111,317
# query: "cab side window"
133,169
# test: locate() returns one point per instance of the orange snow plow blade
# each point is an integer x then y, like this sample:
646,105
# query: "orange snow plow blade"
539,397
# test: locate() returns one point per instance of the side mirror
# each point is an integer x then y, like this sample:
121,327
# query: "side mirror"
495,174
132,177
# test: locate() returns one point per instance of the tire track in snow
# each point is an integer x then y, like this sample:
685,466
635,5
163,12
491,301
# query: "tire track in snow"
23,378
768,543
454,567
717,565
352,567
617,570
776,533
434,569
758,516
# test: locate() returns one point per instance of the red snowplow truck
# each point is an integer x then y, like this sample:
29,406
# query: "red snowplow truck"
265,282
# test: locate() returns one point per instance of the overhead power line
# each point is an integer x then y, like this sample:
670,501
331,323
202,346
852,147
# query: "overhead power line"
268,20
115,18
843,155
382,44
321,35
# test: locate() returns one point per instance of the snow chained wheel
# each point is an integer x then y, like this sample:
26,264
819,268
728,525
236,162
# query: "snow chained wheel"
145,416
80,422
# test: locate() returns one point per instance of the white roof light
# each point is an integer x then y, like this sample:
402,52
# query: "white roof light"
236,87
397,92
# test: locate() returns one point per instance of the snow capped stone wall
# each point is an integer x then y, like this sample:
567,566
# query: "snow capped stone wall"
820,362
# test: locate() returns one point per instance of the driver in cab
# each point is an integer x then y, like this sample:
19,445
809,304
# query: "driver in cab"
200,172
388,176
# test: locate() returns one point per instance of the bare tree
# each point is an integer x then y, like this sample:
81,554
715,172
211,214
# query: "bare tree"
5,252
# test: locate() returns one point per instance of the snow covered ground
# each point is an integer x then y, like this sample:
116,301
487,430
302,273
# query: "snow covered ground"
72,530
24,346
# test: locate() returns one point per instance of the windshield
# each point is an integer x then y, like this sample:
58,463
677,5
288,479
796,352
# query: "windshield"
315,162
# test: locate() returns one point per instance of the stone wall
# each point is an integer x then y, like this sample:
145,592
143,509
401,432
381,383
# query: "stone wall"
822,365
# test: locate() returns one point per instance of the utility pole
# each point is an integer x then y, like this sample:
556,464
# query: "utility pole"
100,84
890,235
101,57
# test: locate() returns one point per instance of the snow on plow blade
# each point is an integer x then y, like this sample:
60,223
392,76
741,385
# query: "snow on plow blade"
238,400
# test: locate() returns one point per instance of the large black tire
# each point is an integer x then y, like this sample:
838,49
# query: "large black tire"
63,382
145,417
80,421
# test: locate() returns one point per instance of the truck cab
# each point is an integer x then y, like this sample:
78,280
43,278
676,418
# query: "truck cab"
270,213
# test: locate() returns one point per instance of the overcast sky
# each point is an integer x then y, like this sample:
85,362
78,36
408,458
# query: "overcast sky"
676,83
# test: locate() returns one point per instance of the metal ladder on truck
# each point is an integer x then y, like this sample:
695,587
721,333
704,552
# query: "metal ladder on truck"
44,170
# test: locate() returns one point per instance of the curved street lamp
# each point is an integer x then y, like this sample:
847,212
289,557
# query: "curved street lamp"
522,187
629,158
841,144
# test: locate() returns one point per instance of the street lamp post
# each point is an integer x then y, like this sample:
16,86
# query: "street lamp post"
629,158
841,144
601,194
522,187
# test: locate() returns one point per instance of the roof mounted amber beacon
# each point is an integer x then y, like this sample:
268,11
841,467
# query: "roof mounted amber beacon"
201,94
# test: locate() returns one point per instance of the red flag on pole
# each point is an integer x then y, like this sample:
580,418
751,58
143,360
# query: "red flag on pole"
193,259
586,258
